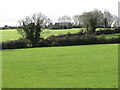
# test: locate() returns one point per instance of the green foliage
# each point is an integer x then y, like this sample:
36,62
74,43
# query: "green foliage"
64,40
31,32
43,43
68,40
20,43
30,27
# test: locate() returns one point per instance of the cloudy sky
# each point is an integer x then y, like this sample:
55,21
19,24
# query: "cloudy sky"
13,10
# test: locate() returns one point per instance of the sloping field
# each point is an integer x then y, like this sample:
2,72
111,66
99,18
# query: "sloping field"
85,66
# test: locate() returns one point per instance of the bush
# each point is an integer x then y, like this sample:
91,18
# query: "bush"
113,40
42,43
71,40
102,39
80,40
61,40
100,32
20,43
117,28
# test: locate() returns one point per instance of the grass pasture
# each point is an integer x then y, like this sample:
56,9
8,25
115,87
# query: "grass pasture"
112,35
85,66
13,34
9,35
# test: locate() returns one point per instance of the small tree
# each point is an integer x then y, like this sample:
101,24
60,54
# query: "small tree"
6,27
108,19
31,27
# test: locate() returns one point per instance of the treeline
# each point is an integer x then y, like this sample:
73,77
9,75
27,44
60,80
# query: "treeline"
8,27
31,29
95,18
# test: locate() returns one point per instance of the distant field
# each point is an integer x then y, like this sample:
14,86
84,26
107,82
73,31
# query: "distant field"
13,34
0,69
9,35
112,35
85,66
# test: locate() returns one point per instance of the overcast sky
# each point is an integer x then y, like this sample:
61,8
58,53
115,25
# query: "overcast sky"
13,10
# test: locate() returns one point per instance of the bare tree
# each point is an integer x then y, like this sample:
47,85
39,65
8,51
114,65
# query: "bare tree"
64,19
91,20
116,21
31,27
77,20
108,19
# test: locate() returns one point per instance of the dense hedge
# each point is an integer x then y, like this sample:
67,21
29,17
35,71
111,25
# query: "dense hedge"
20,43
80,40
64,40
100,32
43,43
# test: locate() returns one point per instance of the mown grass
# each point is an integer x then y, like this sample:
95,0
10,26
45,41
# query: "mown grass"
85,66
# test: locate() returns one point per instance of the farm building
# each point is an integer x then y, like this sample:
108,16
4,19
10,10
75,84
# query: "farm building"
60,25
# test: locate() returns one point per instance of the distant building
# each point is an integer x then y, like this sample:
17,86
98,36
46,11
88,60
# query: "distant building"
60,25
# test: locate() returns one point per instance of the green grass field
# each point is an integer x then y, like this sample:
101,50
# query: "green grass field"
112,35
13,34
0,69
9,35
85,66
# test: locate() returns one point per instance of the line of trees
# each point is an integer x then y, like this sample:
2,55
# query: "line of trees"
104,19
31,27
8,27
90,20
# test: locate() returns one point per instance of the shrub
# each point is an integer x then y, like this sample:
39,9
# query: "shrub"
101,39
80,40
100,32
71,40
113,40
61,40
42,43
117,28
20,43
88,39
